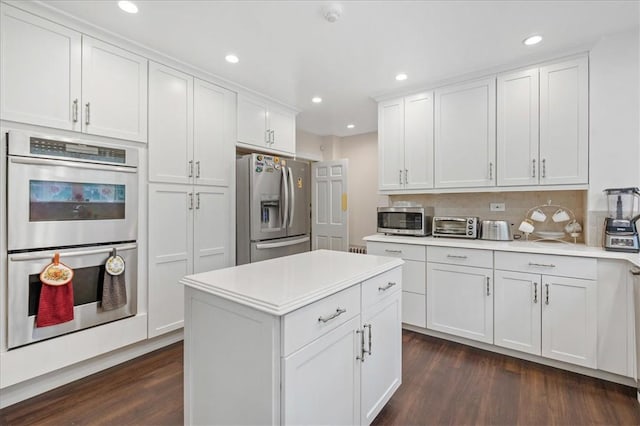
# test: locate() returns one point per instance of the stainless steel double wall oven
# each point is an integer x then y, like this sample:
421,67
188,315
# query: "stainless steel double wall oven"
79,199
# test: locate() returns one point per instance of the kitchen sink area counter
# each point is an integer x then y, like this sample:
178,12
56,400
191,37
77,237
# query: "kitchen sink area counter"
309,338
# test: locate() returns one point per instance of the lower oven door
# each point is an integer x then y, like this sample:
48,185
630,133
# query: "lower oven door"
88,266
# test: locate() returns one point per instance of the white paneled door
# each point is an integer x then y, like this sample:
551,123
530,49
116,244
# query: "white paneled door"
330,217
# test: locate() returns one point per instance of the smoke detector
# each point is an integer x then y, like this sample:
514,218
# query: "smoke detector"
332,12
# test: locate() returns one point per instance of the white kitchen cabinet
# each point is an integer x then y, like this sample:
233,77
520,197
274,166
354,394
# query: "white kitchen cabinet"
40,71
405,142
564,122
465,134
188,233
517,132
191,125
114,91
262,125
460,300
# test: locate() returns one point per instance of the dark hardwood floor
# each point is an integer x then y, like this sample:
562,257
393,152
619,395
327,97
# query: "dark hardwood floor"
444,383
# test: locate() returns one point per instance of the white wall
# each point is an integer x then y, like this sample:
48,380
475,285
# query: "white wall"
308,146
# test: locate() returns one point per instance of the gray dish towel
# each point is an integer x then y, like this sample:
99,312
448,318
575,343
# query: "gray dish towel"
114,292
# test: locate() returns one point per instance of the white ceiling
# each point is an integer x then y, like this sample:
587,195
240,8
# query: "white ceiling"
290,52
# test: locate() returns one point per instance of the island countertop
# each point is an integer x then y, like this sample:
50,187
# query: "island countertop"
279,286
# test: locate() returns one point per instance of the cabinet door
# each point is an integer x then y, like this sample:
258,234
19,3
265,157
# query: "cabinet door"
170,125
418,141
322,380
460,301
170,254
414,309
214,134
517,312
212,229
252,121
283,125
114,91
564,127
465,135
569,320
517,146
40,71
391,144
382,368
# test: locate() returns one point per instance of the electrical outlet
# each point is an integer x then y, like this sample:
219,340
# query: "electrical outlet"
496,207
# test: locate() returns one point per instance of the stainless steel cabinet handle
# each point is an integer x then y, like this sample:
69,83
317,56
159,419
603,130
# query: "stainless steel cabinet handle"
386,287
400,177
197,169
533,169
406,176
190,168
543,265
453,256
535,292
544,168
191,201
488,286
392,251
336,314
490,171
546,302
369,327
75,110
197,200
87,117
362,352
267,136
273,137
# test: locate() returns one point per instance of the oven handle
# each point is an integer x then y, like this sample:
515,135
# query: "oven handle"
75,165
20,257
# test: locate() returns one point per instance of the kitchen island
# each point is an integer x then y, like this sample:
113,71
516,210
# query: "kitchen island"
309,338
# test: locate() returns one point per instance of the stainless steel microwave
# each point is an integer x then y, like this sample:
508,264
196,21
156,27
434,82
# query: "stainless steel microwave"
414,221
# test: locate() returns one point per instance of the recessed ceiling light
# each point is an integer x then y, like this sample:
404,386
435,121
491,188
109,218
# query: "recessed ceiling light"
402,76
534,39
316,99
128,6
350,126
232,59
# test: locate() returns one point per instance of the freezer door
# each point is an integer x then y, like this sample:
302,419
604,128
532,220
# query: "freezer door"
268,198
277,248
299,181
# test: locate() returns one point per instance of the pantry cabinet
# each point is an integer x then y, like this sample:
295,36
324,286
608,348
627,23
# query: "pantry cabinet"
265,126
465,135
183,239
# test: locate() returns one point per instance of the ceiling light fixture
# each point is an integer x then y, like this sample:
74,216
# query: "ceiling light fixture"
350,126
401,77
531,40
128,6
316,99
232,59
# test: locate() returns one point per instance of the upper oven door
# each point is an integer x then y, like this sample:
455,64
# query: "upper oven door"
55,203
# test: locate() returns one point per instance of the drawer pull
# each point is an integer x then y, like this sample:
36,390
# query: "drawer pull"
542,265
453,256
392,251
336,314
386,287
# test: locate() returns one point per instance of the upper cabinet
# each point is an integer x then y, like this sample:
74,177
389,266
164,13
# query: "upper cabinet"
265,126
40,71
543,125
465,135
55,77
405,138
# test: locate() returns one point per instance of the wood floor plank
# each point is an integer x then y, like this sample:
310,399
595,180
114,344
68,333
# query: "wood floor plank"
444,383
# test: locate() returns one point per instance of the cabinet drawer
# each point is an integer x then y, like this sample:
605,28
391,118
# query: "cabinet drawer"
561,266
310,322
402,251
461,256
381,286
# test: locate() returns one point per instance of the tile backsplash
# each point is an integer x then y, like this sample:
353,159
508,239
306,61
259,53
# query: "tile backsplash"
516,206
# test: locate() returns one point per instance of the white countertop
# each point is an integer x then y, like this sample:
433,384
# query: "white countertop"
543,247
279,286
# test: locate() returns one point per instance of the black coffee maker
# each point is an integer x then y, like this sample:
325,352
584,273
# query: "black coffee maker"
620,230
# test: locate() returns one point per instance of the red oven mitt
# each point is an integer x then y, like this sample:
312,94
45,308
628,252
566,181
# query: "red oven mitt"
56,296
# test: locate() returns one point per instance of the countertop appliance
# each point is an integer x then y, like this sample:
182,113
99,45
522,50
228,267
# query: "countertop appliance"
273,213
635,272
620,230
414,220
496,230
457,227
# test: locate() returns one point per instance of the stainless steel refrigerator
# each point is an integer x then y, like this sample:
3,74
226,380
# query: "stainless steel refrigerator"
272,207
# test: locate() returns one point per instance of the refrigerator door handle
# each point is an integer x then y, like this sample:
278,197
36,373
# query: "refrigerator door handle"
293,198
286,198
282,243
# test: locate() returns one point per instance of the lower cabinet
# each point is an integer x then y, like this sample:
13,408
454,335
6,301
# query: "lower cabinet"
189,232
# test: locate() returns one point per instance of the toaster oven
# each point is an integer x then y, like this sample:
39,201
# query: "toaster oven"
415,221
457,227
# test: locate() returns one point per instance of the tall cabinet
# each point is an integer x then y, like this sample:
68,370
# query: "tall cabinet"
191,168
